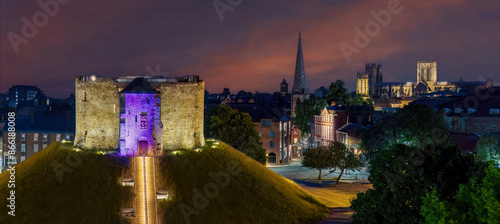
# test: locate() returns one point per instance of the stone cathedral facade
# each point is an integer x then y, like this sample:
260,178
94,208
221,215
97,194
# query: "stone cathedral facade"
135,114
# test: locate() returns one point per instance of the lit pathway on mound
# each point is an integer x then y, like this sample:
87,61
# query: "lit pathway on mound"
145,190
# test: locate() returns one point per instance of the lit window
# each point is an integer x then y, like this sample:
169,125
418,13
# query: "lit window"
263,123
35,137
44,146
23,136
260,133
35,148
269,123
144,121
23,147
494,111
23,158
471,110
58,136
67,137
271,134
45,137
458,110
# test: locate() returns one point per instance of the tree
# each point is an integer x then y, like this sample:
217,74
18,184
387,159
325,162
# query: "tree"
476,202
417,126
318,158
305,110
402,175
343,158
338,93
237,129
488,148
360,100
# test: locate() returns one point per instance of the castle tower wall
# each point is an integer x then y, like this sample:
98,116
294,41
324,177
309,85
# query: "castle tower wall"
139,122
182,106
97,108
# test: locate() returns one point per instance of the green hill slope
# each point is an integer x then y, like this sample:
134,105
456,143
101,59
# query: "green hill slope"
59,185
222,185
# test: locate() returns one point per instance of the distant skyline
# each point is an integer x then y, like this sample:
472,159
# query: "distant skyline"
253,48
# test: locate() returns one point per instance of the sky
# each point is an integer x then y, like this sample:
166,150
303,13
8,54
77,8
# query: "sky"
253,47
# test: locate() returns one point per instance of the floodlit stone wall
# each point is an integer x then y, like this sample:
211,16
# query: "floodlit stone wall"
97,113
182,105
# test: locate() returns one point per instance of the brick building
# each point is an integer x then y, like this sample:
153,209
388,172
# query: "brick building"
325,126
276,131
35,133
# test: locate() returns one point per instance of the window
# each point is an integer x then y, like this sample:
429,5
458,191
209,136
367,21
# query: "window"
58,136
149,101
35,148
14,160
295,132
271,144
23,136
44,146
269,123
36,102
263,123
23,158
45,137
494,111
260,134
35,137
271,134
68,137
471,110
458,110
23,147
144,121
135,118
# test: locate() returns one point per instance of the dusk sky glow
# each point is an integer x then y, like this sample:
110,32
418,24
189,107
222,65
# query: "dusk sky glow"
253,48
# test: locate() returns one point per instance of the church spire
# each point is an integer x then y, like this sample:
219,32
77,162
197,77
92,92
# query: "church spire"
299,80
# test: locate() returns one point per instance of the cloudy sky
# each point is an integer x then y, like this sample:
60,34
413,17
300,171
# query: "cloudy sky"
252,48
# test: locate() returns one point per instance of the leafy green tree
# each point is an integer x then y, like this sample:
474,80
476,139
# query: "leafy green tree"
476,202
338,93
488,148
343,158
402,175
416,125
318,158
360,100
304,112
237,129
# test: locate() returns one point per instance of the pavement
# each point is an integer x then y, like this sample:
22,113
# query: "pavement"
336,197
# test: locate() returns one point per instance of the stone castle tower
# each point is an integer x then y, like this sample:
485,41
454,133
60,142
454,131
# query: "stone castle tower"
299,90
135,114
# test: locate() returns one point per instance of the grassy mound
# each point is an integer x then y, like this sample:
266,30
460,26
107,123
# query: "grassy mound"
59,185
222,185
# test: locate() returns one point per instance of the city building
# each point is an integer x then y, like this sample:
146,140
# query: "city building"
320,92
35,133
477,113
371,82
139,114
330,124
276,131
300,90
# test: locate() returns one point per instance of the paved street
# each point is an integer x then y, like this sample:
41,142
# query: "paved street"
336,197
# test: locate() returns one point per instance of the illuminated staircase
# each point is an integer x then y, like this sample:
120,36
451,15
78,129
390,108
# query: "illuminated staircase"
145,190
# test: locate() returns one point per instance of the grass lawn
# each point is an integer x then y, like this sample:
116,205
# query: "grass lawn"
222,185
84,189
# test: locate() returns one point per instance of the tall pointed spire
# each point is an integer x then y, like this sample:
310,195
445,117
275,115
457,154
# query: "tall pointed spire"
299,80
